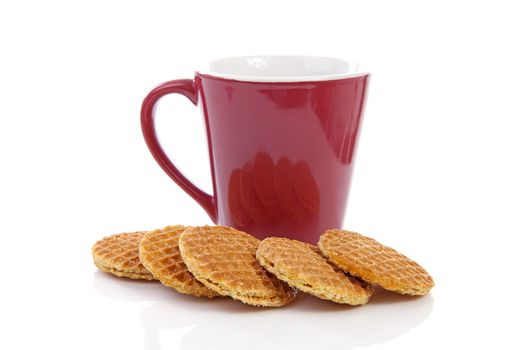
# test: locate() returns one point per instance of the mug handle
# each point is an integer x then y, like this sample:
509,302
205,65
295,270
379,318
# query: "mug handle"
184,87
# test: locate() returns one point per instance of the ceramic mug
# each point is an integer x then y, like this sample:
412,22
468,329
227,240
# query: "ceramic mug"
281,133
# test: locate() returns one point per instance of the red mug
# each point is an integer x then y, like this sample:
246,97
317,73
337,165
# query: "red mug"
281,133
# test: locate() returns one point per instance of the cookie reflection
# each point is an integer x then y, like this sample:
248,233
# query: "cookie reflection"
227,324
264,191
239,216
176,321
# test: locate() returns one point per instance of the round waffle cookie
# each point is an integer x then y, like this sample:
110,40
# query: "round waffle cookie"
119,255
301,265
223,259
159,252
375,263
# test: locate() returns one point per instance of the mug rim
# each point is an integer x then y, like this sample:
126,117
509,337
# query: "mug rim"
351,65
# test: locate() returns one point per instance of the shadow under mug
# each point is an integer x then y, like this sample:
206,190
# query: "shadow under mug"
281,134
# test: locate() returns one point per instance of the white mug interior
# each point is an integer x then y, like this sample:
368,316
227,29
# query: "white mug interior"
282,68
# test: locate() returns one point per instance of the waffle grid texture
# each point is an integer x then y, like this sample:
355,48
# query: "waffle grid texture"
301,265
223,259
119,255
375,263
160,254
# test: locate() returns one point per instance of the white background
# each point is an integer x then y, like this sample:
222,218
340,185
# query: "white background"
439,172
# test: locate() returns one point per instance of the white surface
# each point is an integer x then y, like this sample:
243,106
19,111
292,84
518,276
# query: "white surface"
439,172
282,68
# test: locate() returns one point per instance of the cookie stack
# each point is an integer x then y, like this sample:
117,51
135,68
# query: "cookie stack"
212,261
